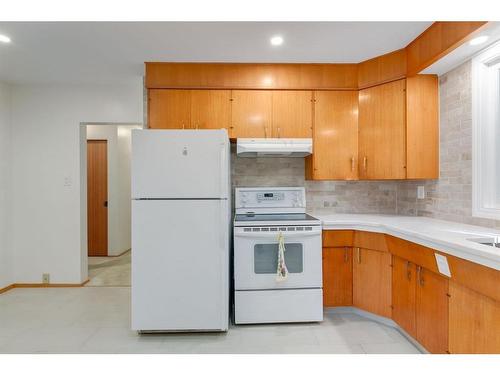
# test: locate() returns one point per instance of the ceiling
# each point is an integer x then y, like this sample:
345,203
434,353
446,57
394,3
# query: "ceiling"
111,52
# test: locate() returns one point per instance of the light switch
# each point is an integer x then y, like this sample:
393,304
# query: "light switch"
68,181
420,192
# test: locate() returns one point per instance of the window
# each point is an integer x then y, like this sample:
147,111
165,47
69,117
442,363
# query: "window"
486,133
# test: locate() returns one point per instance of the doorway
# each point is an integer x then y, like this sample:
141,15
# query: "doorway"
108,148
97,197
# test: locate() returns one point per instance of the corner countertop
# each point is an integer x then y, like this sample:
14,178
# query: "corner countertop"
445,236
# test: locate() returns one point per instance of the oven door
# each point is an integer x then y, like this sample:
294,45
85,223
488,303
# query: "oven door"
256,258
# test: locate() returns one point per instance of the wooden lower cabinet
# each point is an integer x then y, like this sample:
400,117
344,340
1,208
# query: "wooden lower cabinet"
432,311
337,276
474,322
404,294
458,315
371,276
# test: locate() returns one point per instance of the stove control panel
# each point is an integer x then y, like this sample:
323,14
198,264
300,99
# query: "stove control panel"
270,200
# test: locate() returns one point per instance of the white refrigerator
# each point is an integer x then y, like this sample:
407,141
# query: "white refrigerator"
180,230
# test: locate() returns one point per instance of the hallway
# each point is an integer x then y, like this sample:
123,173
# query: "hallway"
110,271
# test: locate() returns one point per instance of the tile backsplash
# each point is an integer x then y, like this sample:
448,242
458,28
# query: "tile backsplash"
338,196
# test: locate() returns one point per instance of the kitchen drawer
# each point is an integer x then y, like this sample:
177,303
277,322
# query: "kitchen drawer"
338,238
369,240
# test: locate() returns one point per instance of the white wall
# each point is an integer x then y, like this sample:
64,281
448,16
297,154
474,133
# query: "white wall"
48,233
5,185
118,145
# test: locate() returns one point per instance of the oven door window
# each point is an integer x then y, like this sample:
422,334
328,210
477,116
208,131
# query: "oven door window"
266,258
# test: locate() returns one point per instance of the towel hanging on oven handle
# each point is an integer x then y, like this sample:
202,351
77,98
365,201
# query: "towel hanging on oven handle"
282,271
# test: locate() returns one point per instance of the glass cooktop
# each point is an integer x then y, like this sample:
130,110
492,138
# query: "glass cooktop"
274,217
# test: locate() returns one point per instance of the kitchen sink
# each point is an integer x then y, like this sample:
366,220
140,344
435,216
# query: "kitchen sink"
488,241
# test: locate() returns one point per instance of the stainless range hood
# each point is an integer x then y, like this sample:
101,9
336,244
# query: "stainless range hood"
274,147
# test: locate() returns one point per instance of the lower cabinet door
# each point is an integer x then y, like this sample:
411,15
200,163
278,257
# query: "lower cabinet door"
432,311
372,281
404,294
474,322
337,276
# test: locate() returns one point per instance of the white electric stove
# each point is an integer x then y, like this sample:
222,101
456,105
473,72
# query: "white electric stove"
264,218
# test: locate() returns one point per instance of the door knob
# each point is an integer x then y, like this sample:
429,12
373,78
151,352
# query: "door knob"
105,203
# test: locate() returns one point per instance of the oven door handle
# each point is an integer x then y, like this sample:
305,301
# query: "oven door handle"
287,235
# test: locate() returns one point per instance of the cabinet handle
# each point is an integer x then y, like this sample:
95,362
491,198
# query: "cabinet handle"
408,271
352,164
419,276
346,254
279,133
196,126
365,162
265,132
183,126
359,254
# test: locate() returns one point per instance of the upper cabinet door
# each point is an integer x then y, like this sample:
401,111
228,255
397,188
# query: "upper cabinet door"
251,114
382,124
292,114
210,109
335,150
169,109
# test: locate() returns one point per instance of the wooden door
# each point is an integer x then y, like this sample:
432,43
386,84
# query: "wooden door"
335,154
404,294
251,114
474,322
337,276
97,197
169,109
432,311
210,109
382,131
292,114
371,274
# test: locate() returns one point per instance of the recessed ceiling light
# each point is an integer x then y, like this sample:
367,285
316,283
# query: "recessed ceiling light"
4,39
277,40
478,40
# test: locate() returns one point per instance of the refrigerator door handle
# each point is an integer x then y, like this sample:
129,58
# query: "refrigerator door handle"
222,170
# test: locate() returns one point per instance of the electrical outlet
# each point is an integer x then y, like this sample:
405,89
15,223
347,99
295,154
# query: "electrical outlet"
46,278
420,192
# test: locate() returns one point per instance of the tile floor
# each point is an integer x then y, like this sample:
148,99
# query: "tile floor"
110,271
96,320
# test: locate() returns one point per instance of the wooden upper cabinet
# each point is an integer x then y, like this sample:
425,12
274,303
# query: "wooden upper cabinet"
292,114
432,311
210,109
169,109
371,273
335,149
382,123
337,276
422,127
404,294
251,114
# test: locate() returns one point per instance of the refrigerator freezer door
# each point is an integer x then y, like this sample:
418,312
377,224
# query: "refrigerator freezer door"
180,265
180,164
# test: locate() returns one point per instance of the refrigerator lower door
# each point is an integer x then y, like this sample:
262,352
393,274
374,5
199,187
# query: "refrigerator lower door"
180,265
